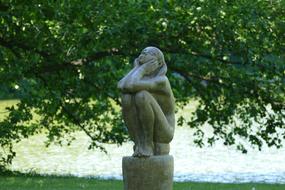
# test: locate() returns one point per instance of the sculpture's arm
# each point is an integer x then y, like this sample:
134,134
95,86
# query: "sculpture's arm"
156,84
134,81
123,82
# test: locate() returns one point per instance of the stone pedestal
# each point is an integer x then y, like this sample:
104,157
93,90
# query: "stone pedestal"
150,173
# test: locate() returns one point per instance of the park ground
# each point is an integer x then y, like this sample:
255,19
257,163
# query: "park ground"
30,182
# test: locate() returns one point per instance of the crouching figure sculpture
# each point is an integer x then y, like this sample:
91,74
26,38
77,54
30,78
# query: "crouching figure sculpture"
148,104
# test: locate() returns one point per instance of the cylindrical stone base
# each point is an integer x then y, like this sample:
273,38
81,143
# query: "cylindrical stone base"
150,173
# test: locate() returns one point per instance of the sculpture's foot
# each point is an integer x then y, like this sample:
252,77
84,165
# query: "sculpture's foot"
136,151
147,151
143,151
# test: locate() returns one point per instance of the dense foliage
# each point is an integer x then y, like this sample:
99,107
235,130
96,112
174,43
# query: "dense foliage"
64,58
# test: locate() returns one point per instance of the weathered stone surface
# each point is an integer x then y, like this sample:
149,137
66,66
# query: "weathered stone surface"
148,108
148,104
149,173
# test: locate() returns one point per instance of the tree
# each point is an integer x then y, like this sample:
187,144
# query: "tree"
64,59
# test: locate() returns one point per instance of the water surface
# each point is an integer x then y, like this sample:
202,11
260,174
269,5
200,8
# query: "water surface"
213,164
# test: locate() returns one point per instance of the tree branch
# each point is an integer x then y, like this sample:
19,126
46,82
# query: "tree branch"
12,44
101,89
188,76
4,7
204,55
69,114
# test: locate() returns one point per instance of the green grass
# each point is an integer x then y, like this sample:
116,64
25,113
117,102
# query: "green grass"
74,183
56,183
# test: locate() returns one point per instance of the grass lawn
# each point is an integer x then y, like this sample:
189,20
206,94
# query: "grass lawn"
74,183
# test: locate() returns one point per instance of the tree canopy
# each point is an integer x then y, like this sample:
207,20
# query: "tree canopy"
64,58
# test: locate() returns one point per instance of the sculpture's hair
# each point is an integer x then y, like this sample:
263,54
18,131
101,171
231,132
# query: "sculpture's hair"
160,57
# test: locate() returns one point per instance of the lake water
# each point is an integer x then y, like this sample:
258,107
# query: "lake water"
212,164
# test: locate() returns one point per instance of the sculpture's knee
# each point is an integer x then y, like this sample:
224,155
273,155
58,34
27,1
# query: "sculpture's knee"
126,101
141,98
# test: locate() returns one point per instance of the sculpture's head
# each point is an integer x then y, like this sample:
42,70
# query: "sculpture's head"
153,53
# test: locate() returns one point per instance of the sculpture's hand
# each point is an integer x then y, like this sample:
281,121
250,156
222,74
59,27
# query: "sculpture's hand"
136,63
133,80
150,67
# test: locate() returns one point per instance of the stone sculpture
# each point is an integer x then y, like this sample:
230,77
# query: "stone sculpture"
148,104
148,111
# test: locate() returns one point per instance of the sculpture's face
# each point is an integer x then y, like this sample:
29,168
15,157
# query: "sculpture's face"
146,56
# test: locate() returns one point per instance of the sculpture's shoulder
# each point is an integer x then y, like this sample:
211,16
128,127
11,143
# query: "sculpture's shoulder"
164,95
167,87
